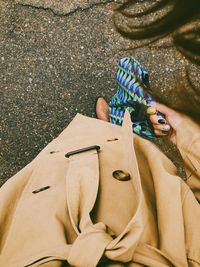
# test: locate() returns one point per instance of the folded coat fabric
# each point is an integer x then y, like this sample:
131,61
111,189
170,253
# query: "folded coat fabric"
74,210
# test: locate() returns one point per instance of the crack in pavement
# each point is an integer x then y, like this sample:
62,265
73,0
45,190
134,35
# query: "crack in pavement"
65,11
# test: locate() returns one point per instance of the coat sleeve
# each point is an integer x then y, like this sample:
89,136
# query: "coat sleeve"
188,142
10,194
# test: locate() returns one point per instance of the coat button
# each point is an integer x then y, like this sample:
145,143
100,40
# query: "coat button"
121,175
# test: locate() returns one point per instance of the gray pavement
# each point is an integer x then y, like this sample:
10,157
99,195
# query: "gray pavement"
56,58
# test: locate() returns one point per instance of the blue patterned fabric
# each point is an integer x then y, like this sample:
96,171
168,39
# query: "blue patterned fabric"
132,82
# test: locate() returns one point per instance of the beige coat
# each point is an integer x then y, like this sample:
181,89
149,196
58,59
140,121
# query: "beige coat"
73,209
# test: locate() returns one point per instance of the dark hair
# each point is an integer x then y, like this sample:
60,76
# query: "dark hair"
176,13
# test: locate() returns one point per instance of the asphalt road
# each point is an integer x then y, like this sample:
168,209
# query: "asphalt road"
56,58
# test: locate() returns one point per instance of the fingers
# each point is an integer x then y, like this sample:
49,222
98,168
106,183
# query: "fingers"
157,119
172,118
161,128
161,133
163,109
151,110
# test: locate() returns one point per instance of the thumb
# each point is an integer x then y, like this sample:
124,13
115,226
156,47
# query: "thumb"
174,118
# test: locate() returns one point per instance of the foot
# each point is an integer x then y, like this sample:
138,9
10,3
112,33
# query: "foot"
102,109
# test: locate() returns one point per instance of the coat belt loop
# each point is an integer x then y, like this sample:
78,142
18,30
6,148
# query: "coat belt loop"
82,183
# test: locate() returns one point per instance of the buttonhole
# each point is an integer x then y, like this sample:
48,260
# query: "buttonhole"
52,152
41,189
111,140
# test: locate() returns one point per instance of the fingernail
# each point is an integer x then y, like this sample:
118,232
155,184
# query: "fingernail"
162,121
165,132
166,127
151,111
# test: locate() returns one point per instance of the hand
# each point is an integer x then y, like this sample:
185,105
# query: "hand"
168,126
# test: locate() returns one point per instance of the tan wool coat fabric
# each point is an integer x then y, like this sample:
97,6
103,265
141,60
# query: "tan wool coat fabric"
73,210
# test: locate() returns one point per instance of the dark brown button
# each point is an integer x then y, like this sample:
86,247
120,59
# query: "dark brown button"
121,175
